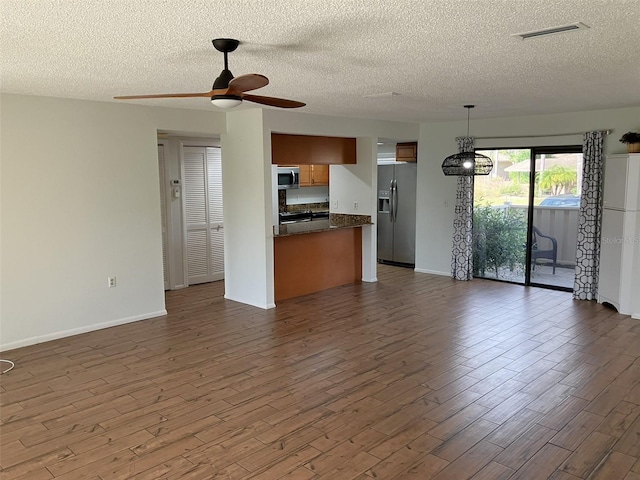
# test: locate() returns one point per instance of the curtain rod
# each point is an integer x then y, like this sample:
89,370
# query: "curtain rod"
605,132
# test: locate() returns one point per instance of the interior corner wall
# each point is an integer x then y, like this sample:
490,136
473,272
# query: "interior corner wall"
80,202
174,212
436,193
367,152
248,236
357,184
636,269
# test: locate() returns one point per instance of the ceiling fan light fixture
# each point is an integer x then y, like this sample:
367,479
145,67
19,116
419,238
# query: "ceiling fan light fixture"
226,102
467,163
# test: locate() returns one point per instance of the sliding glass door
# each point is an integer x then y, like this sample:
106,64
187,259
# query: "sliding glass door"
501,204
526,216
554,219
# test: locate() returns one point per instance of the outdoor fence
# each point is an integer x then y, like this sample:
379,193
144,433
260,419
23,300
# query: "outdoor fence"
558,222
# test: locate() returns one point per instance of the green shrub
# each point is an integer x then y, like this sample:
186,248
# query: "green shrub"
499,239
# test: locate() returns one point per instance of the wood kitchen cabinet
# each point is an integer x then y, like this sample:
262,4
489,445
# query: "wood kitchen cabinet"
287,149
320,174
407,152
314,175
316,261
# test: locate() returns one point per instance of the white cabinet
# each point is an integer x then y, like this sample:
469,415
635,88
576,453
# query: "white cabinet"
622,182
619,278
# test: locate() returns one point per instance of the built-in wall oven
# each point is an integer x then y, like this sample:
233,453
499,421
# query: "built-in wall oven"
288,177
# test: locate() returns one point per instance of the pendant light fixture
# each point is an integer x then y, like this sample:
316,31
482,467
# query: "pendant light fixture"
467,163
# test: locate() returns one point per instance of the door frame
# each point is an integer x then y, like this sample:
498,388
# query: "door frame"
165,199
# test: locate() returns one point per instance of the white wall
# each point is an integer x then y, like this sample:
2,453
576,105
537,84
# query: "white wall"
80,202
636,269
436,193
281,121
247,193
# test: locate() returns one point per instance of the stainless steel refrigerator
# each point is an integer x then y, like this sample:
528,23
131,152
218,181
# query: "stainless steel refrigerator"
397,213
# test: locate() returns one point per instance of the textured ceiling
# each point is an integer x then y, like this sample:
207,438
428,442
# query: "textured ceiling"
436,55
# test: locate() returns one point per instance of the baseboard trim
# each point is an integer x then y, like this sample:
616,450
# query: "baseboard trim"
432,272
77,331
262,306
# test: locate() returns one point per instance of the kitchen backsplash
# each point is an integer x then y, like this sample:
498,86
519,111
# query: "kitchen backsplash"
300,207
307,195
314,207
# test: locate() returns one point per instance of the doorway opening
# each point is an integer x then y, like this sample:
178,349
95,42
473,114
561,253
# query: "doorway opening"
191,210
396,204
526,216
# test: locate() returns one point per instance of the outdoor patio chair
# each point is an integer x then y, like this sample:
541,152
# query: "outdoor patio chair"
537,250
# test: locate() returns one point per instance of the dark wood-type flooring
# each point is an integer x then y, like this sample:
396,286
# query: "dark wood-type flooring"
414,377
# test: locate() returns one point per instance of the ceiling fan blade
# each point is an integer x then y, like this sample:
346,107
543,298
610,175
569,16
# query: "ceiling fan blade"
166,95
274,102
244,83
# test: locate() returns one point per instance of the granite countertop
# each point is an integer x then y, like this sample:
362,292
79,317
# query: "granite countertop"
335,221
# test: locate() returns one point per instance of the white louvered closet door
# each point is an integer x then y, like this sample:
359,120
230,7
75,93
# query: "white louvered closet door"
163,214
203,214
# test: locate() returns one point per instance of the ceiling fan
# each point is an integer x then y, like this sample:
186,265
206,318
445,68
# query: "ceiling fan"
229,91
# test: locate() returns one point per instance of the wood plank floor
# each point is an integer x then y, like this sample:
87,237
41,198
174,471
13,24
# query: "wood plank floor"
414,377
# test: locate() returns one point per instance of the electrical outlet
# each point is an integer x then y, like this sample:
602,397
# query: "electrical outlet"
355,205
111,282
335,204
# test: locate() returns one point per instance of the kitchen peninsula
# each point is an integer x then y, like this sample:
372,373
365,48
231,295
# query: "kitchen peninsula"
312,253
313,256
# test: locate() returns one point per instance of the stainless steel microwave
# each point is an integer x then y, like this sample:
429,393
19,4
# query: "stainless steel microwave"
288,177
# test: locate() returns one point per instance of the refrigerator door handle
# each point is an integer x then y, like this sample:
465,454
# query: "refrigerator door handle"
391,219
395,200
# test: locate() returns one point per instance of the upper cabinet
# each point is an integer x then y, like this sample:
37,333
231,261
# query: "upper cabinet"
320,174
621,182
314,175
289,149
407,152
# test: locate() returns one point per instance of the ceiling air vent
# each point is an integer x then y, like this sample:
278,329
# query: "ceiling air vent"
551,31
